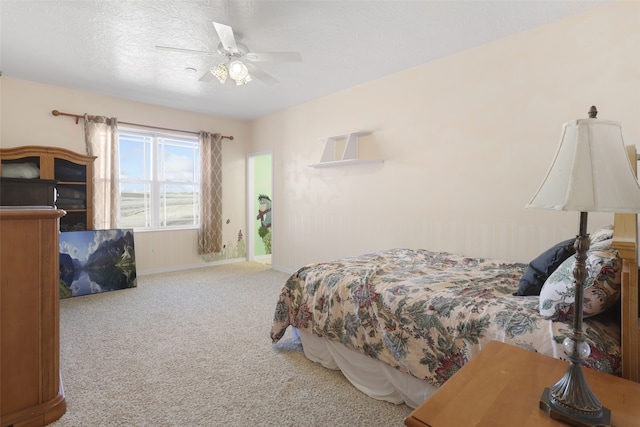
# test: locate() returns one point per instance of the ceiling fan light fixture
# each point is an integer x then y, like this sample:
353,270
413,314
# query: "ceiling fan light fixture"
220,71
237,70
243,81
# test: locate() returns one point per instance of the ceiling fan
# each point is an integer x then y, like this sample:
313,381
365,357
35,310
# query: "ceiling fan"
238,60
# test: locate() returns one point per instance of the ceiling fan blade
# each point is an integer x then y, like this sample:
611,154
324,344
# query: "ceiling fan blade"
258,73
274,57
227,38
190,51
206,77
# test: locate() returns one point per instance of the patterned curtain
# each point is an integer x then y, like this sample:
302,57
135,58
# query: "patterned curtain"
210,233
101,136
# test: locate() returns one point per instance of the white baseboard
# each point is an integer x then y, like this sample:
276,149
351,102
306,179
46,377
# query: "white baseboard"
283,269
209,264
189,267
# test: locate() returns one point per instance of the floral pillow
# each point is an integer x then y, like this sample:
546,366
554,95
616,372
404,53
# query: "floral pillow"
601,288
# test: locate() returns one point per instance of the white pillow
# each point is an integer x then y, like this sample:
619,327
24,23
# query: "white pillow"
601,234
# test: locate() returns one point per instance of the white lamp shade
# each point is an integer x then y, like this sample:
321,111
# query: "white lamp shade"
590,172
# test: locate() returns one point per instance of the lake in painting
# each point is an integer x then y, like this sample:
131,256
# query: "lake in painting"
95,261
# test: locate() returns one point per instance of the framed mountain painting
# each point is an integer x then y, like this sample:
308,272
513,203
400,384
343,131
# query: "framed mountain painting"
95,261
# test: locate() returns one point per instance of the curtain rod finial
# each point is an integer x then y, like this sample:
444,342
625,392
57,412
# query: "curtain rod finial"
55,112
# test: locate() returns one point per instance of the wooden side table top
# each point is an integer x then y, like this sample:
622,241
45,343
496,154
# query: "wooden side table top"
502,386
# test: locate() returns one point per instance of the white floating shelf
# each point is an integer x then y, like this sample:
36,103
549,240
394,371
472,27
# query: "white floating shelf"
349,155
349,162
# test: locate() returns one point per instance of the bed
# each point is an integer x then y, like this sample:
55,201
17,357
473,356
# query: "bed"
398,323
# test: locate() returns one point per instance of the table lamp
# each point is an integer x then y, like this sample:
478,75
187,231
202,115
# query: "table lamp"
590,173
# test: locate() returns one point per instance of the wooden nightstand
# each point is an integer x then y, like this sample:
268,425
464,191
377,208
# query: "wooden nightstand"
502,385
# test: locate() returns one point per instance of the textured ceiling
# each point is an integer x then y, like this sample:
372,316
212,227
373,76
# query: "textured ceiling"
108,46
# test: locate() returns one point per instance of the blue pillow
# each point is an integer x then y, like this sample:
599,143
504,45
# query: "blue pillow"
541,268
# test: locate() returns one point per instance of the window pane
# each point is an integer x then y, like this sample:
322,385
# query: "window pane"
135,156
135,209
177,161
179,205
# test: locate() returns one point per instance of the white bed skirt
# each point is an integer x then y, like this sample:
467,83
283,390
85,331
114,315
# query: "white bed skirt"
370,376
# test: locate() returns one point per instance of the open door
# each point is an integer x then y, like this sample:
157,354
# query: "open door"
260,207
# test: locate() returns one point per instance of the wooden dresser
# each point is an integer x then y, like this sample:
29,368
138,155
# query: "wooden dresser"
31,392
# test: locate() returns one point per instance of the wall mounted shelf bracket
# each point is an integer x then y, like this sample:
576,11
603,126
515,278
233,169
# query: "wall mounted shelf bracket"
349,155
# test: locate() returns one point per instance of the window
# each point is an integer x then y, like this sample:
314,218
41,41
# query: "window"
159,180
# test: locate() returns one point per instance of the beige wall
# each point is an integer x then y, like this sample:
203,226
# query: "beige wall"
466,141
26,119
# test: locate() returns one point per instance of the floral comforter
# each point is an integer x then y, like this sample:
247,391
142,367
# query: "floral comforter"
428,313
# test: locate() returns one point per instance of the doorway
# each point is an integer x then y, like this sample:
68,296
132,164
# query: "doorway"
259,205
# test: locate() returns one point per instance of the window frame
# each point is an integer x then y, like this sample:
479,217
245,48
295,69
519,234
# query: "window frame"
157,142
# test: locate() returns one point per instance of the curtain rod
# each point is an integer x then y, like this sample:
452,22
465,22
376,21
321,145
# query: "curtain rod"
78,117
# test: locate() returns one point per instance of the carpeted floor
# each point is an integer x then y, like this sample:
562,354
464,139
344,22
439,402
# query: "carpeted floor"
192,348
